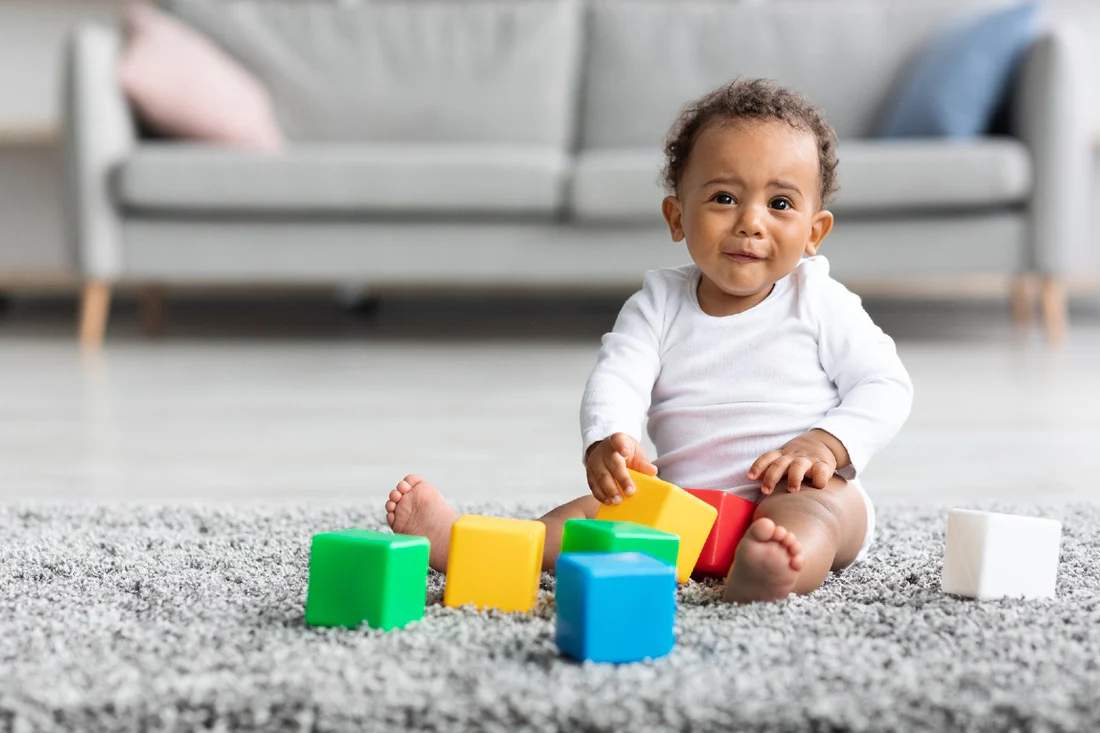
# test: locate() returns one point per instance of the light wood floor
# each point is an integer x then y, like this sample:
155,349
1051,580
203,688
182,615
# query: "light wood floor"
246,400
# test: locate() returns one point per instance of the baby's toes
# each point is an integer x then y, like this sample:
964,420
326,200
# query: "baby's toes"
762,529
391,506
395,495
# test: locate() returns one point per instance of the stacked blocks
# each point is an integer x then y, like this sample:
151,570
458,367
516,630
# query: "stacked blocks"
734,518
594,535
615,607
494,563
358,575
991,555
669,508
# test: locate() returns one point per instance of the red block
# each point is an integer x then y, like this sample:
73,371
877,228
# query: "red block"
734,518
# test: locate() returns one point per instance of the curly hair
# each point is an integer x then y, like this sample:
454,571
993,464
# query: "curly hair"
751,99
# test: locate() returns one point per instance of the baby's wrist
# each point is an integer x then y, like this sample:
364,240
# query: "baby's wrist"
833,445
589,449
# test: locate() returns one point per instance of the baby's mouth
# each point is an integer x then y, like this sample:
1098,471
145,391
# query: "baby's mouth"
741,257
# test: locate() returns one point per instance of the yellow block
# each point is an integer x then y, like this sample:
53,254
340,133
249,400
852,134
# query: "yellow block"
669,508
494,563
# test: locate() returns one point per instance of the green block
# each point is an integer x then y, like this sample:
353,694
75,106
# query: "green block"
598,535
357,575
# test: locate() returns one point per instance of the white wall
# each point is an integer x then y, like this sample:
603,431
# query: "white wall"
1083,18
31,37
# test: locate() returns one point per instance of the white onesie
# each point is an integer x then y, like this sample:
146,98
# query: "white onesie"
721,391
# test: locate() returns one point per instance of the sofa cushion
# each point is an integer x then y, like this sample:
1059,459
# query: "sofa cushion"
957,82
875,177
617,185
184,86
325,178
499,71
646,59
940,175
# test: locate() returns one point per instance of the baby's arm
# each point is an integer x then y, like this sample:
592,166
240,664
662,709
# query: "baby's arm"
618,394
875,395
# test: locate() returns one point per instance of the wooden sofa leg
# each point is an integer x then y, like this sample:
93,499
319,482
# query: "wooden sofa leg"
152,310
1022,294
1055,305
95,307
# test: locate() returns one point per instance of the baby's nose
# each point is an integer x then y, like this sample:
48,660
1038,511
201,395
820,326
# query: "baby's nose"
750,224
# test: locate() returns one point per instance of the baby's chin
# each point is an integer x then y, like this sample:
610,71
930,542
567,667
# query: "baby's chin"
742,292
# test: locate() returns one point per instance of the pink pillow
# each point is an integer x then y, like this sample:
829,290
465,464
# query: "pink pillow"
184,86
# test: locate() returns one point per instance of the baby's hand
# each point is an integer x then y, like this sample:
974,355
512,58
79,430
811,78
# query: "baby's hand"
607,464
808,456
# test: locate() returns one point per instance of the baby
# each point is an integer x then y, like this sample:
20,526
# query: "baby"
760,375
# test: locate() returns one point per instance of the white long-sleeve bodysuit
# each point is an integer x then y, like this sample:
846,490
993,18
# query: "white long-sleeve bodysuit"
721,391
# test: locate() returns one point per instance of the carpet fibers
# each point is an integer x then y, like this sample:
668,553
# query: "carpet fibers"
177,618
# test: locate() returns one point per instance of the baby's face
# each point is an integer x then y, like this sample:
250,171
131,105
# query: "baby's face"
748,206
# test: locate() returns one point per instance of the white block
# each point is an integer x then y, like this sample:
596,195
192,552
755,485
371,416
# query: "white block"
991,555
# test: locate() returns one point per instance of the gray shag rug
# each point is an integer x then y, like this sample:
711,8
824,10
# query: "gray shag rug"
177,618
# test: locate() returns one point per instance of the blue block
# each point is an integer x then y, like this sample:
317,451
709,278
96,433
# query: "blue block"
615,607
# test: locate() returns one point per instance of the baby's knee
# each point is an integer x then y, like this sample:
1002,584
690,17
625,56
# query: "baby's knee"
589,505
583,507
833,496
824,506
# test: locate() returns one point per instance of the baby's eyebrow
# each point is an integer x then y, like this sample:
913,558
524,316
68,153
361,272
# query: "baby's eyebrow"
785,185
724,179
771,184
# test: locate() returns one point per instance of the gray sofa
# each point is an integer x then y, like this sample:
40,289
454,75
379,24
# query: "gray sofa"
518,143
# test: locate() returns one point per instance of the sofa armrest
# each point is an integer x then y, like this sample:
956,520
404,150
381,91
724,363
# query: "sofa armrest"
1051,113
99,132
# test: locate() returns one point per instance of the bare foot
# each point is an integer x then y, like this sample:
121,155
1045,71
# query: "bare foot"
416,507
766,565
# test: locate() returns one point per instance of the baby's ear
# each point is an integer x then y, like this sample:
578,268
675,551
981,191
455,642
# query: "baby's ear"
819,229
674,216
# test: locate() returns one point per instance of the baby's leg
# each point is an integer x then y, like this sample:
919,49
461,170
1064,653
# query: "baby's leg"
416,507
795,540
583,508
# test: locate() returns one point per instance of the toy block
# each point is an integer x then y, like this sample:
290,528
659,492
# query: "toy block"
990,555
734,518
494,563
357,575
614,607
661,505
597,535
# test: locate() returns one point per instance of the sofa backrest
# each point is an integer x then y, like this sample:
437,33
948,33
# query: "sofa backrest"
647,58
503,71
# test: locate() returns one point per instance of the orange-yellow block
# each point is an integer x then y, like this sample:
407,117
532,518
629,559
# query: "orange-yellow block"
494,563
669,508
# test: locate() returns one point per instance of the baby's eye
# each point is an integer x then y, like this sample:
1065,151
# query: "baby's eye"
722,198
782,203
